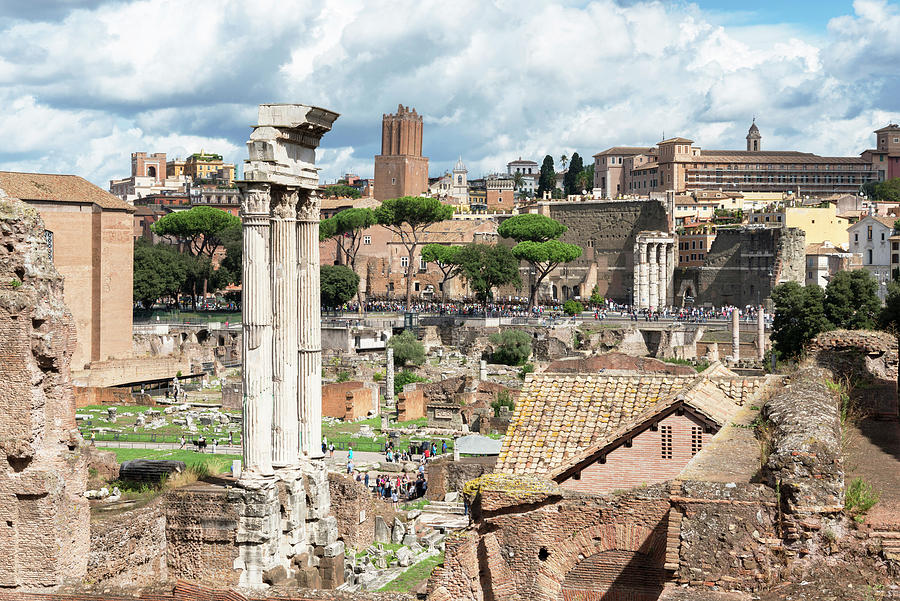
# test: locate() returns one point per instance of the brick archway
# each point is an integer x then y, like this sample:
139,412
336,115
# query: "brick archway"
637,549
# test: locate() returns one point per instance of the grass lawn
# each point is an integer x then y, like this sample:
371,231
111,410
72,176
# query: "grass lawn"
216,463
414,576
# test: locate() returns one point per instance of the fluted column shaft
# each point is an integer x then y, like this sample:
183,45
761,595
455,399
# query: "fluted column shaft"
670,274
645,277
761,333
663,282
653,280
310,326
257,332
735,335
286,427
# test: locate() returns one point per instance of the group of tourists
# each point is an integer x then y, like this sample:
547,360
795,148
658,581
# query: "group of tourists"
395,488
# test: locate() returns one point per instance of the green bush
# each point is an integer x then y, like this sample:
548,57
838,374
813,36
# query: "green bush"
596,298
503,400
513,347
344,376
859,497
406,377
378,376
528,368
573,307
407,349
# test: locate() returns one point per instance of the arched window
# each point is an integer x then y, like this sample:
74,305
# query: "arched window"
459,180
151,171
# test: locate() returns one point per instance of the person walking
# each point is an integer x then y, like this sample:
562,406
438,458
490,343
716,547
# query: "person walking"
350,453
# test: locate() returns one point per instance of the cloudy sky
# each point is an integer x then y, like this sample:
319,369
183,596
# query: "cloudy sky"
83,83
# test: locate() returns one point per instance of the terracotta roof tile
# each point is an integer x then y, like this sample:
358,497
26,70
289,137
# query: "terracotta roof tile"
59,188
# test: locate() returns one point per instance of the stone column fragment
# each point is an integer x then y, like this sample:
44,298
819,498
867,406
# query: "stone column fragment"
735,335
257,332
761,333
389,376
286,427
310,330
653,276
663,283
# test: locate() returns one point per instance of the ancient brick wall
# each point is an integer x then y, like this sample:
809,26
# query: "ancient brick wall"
856,354
410,405
348,400
93,395
533,538
445,475
129,548
805,460
44,534
354,507
646,461
201,530
606,231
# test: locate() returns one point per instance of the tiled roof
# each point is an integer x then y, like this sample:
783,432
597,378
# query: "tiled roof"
625,150
677,141
787,156
58,188
559,418
453,231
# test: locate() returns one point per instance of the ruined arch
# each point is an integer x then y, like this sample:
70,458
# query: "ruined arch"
621,559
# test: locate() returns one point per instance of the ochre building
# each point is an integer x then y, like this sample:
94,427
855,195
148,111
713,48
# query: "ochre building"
90,237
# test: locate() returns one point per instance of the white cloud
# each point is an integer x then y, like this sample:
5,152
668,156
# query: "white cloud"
494,81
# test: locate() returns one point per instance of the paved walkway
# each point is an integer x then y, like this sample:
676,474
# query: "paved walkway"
874,456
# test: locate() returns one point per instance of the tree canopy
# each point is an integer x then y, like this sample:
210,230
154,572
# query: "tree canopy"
547,178
408,217
407,349
799,317
338,284
890,314
513,347
570,179
341,191
886,191
488,266
535,228
159,271
538,246
446,259
851,300
200,228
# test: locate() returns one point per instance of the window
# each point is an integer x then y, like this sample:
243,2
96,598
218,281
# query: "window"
665,437
48,236
869,233
416,286
367,239
895,258
393,180
423,265
404,261
870,257
696,440
856,236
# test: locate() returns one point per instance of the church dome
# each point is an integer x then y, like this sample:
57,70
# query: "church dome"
753,129
459,165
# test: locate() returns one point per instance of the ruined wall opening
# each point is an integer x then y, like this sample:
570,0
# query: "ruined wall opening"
615,575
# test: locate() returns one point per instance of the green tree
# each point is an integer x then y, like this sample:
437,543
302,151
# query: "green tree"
488,266
233,242
888,191
799,317
200,229
564,160
445,257
408,217
407,349
513,347
547,178
586,178
851,300
537,244
338,284
570,179
890,313
518,181
572,307
596,298
341,190
406,377
159,271
346,227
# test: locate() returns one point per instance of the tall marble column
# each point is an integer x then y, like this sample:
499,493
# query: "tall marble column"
735,335
257,332
309,381
663,284
389,377
653,280
761,333
642,288
670,273
286,430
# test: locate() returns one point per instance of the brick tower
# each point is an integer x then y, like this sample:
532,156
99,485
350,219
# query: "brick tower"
400,169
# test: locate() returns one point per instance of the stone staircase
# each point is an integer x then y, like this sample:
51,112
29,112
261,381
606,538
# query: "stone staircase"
453,507
890,541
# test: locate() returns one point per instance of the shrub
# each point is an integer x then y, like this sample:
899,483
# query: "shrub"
407,349
344,376
378,376
528,368
859,497
572,307
513,347
406,377
596,298
503,400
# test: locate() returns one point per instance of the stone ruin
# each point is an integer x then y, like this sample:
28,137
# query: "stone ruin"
44,521
282,500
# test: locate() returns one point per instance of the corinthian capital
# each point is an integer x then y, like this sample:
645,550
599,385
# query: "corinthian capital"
308,207
255,200
285,205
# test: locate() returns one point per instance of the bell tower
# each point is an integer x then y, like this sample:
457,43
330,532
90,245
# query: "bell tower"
400,169
754,139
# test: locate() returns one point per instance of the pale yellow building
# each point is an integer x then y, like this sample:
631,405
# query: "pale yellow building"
821,224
